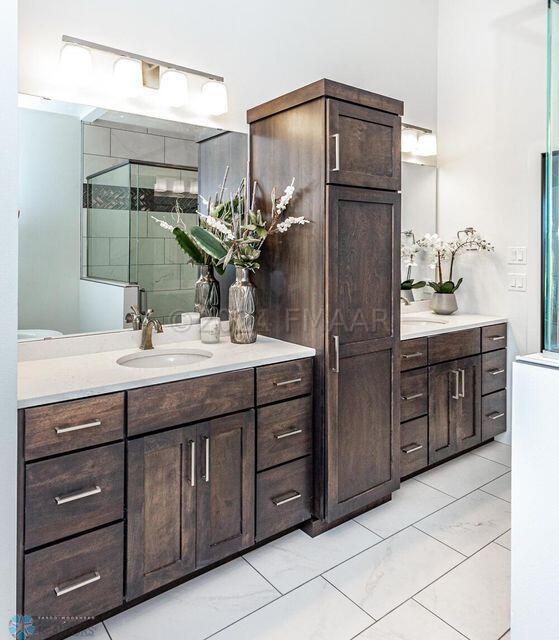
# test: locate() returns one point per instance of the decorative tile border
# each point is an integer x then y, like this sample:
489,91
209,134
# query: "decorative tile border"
98,196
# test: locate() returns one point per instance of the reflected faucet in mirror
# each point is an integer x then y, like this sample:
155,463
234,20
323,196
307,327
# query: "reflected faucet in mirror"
134,317
148,324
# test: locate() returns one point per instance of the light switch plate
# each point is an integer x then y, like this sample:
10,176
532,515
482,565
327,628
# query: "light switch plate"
517,281
517,255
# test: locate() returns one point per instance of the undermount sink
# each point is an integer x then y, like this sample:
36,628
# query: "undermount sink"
421,322
160,359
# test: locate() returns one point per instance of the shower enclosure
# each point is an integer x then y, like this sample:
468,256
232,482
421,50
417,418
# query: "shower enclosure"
122,243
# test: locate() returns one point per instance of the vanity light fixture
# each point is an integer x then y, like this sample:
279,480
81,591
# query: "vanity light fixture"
178,186
418,141
160,185
132,72
75,62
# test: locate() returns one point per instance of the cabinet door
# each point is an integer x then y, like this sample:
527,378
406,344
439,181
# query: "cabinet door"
226,461
468,410
363,348
161,509
363,147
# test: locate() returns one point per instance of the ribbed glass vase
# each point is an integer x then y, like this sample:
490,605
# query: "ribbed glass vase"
242,308
206,293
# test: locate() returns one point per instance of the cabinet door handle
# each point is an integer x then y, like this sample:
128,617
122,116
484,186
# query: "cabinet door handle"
286,382
290,497
336,368
413,396
496,415
77,427
77,495
497,372
462,393
206,475
336,137
192,463
409,356
287,434
83,581
497,338
456,394
410,448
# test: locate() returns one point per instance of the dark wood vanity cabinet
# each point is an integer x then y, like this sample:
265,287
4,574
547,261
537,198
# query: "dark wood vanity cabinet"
453,394
334,284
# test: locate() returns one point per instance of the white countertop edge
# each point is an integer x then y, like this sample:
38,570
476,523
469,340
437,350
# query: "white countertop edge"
541,359
455,323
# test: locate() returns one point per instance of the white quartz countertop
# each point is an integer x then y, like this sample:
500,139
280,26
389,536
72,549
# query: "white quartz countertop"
426,323
78,376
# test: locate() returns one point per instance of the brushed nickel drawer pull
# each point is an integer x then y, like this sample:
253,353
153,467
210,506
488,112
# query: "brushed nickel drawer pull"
287,434
413,396
192,463
456,394
336,368
410,448
462,393
207,465
286,382
336,137
284,500
67,587
408,356
77,495
496,372
496,415
497,338
77,427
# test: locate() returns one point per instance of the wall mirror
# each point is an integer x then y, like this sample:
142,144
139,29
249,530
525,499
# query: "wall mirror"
419,216
91,181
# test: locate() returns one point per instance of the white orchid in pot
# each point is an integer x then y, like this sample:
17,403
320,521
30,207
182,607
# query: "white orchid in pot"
443,253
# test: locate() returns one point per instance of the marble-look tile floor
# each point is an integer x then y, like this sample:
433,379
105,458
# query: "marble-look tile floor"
432,564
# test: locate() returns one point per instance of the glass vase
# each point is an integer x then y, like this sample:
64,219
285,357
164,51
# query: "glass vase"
206,293
242,308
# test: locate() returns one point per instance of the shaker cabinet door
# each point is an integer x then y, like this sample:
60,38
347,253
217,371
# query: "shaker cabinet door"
363,147
161,509
468,410
363,348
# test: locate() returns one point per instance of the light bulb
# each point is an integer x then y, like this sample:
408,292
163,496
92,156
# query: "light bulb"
127,76
214,98
75,62
426,145
409,140
173,88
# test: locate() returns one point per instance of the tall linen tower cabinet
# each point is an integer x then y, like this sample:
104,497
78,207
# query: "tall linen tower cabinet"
334,284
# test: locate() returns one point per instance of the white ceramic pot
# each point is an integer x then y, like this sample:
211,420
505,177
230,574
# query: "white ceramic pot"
444,303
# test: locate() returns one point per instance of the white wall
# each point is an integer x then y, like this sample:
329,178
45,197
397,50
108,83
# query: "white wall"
8,317
49,225
262,49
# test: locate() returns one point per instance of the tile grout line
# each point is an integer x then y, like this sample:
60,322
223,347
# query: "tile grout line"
262,576
413,526
106,630
439,617
348,598
493,495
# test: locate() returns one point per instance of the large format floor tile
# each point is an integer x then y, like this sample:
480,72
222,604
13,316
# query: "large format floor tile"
499,487
409,504
316,610
463,475
297,558
504,540
475,596
197,608
470,523
410,621
496,451
389,573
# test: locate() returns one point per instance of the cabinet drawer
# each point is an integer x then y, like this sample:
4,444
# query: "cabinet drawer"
284,432
414,446
72,581
73,493
285,380
494,371
414,394
413,353
494,415
457,344
177,403
283,497
494,337
57,428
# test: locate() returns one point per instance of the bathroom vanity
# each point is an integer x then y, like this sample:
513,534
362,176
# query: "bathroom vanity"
136,478
453,386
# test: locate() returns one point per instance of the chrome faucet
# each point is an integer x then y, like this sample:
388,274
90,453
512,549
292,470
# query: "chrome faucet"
405,300
148,324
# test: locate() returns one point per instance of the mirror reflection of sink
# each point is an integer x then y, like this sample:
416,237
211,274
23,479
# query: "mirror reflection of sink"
161,358
421,322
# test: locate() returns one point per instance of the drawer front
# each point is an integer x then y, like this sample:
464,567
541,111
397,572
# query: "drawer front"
413,353
73,493
283,497
177,403
72,581
494,337
284,432
494,368
414,446
494,415
67,426
457,344
281,381
414,393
